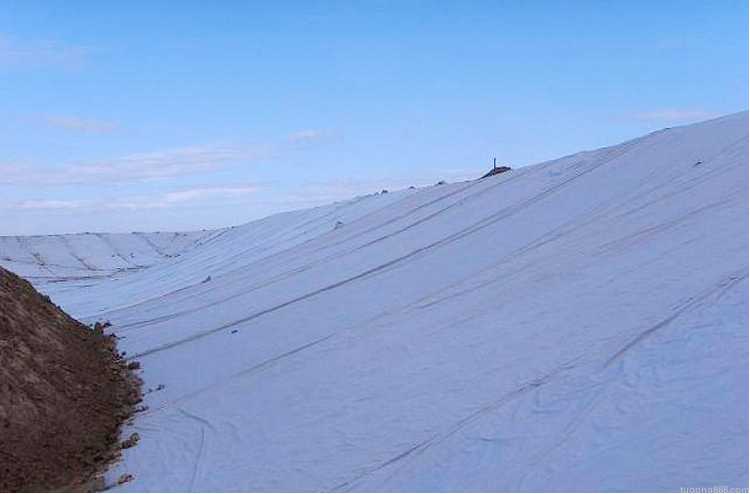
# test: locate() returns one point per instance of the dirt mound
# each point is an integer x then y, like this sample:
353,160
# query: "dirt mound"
496,171
64,392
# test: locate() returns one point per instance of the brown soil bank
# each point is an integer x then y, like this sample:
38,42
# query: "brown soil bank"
64,392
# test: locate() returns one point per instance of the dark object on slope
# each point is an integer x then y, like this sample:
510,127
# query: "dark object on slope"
99,327
64,392
131,441
124,478
497,170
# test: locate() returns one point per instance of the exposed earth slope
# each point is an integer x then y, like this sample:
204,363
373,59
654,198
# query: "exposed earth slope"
576,325
63,394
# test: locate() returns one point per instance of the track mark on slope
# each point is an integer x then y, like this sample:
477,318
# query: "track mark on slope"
691,303
398,457
40,261
457,426
202,445
598,388
567,432
404,215
198,459
151,244
208,238
633,238
243,373
108,241
71,250
546,238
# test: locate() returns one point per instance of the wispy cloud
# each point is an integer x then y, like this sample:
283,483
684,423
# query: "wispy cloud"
79,124
674,115
155,165
132,168
204,193
217,195
178,198
306,136
48,204
36,53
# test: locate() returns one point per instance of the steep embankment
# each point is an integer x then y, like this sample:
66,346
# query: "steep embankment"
575,325
64,393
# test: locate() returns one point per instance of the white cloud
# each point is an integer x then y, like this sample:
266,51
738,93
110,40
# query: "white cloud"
164,164
49,204
131,168
675,115
140,167
80,124
208,193
219,194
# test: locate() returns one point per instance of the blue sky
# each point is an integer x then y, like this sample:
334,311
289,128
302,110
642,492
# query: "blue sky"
122,116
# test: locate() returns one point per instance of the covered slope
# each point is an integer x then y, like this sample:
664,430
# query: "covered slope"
575,325
84,256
